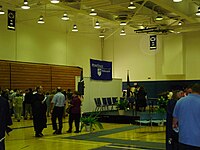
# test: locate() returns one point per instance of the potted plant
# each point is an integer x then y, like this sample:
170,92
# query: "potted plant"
90,122
122,105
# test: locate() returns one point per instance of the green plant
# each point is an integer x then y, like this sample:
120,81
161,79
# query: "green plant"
92,121
122,104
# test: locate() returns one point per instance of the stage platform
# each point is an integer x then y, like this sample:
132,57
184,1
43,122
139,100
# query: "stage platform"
112,116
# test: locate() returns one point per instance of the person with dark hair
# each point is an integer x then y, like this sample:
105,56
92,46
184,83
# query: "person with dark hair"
75,111
5,121
171,135
141,99
57,110
69,95
28,100
186,119
39,111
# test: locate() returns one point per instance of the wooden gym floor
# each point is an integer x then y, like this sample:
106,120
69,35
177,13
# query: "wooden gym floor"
112,137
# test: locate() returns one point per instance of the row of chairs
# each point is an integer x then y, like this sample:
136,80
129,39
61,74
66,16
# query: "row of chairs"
105,103
150,118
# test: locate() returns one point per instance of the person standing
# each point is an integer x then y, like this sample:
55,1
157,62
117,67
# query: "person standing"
75,111
186,118
39,112
171,135
57,110
18,103
141,99
5,121
27,100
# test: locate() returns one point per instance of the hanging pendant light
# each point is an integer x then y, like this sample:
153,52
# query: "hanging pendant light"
55,1
179,23
97,25
122,32
1,11
65,17
93,13
101,35
198,12
75,29
123,23
159,18
176,1
25,6
41,20
131,6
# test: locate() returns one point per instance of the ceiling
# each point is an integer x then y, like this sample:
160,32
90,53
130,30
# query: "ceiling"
110,13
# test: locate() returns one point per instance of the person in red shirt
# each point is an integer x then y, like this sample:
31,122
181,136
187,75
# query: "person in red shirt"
75,111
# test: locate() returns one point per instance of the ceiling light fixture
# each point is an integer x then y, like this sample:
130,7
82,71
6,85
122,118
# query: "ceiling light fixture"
122,32
75,29
97,25
93,13
65,17
55,1
41,20
131,6
176,1
198,12
1,11
101,35
25,6
123,23
159,18
179,23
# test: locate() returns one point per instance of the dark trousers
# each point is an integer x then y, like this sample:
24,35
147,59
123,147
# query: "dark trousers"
2,145
187,147
57,113
75,117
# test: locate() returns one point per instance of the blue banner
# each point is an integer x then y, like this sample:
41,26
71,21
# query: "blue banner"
101,70
11,20
153,42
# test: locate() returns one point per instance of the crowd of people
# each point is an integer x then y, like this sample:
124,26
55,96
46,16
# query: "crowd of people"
37,106
183,111
183,121
137,96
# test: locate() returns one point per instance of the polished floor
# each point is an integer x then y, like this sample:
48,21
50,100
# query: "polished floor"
112,137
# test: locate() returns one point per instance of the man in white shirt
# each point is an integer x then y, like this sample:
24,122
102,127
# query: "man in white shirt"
57,110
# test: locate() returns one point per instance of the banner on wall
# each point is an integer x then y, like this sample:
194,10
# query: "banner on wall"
153,42
100,70
11,20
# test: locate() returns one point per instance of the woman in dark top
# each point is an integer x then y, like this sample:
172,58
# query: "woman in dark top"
39,112
141,99
75,111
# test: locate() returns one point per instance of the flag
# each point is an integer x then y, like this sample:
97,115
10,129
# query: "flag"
128,81
128,85
81,85
81,76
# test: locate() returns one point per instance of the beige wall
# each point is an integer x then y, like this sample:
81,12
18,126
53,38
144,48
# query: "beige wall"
131,53
176,57
39,44
43,44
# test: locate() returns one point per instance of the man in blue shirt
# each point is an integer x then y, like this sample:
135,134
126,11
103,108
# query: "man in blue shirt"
57,110
187,119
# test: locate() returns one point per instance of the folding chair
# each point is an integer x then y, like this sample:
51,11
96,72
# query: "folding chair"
98,104
158,118
109,102
145,118
104,103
